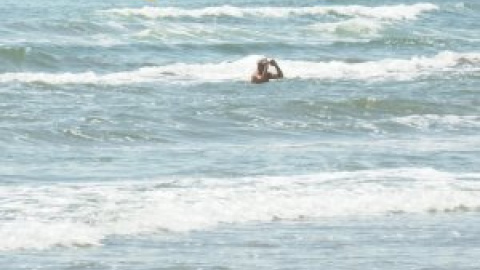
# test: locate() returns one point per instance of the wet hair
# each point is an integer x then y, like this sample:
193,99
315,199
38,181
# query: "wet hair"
262,61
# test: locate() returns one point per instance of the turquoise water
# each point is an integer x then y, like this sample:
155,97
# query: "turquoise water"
131,138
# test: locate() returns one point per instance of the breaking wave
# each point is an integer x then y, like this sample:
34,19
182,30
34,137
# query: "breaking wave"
355,26
386,69
395,12
41,217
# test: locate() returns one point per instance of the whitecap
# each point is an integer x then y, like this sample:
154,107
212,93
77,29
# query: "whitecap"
85,214
239,70
355,26
394,12
429,121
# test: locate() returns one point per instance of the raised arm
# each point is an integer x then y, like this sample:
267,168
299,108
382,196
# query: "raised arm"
279,73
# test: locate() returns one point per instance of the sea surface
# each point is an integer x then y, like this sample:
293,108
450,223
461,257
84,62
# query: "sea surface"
132,139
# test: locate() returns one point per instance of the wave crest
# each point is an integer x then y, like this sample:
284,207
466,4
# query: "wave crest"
386,69
86,214
395,12
356,26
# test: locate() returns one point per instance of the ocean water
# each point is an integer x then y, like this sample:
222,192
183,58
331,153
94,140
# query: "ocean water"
131,138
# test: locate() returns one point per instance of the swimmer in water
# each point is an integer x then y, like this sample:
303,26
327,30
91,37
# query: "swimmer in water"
261,75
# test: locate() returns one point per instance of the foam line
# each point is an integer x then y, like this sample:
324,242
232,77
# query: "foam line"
240,70
356,26
86,214
430,121
394,12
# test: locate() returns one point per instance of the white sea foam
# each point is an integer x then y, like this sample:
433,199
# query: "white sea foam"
429,121
399,69
359,26
41,217
35,234
240,70
394,12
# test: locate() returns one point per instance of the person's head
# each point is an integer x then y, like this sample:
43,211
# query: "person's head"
261,63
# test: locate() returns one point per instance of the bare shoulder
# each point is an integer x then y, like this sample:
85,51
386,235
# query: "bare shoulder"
258,78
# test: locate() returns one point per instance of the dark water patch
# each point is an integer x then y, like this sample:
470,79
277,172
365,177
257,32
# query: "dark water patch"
14,54
22,58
